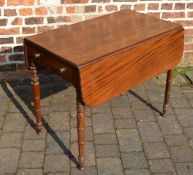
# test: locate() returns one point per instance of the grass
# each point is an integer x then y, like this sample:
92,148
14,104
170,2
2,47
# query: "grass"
182,71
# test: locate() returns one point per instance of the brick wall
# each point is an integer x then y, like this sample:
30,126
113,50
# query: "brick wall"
20,18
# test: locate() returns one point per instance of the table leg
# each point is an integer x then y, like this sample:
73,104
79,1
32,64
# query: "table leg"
81,129
36,91
167,90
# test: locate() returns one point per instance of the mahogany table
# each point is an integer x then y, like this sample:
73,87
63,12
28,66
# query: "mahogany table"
105,56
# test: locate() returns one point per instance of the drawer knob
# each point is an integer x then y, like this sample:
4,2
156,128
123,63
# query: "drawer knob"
37,55
62,69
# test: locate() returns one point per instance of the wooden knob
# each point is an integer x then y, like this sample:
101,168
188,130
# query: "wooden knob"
62,69
37,55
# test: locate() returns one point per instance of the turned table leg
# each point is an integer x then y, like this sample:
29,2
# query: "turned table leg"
167,90
36,91
81,129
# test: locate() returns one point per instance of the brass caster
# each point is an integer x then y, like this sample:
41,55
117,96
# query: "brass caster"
81,168
38,130
163,114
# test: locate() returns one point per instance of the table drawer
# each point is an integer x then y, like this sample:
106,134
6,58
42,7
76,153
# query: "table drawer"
51,63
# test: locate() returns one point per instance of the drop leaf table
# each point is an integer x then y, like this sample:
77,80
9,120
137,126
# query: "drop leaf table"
104,57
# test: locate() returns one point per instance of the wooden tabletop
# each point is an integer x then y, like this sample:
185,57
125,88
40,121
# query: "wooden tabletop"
86,42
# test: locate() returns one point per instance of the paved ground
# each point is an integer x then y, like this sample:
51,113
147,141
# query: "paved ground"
125,136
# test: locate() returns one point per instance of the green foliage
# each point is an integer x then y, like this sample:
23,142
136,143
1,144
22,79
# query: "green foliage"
182,70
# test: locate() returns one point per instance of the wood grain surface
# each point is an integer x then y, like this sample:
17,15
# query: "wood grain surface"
109,55
80,129
167,90
48,61
36,91
86,42
105,57
126,69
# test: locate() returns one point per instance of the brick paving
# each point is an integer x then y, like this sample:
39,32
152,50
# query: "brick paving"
125,136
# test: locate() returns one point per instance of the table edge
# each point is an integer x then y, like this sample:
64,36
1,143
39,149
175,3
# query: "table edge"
79,66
